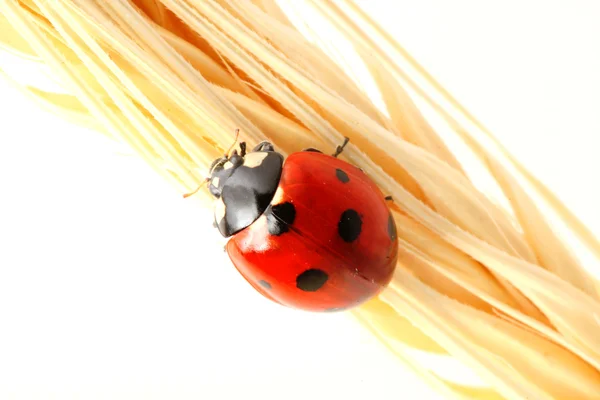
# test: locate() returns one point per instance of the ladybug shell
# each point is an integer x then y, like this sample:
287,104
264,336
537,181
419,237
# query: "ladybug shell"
327,241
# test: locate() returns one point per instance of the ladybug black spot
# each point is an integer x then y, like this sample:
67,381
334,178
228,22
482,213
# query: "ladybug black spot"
280,217
391,228
350,225
342,176
312,150
264,284
311,280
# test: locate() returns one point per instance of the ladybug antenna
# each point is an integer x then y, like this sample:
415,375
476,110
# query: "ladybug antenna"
237,135
197,189
225,158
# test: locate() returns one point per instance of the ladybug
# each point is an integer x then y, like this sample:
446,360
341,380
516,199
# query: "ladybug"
310,232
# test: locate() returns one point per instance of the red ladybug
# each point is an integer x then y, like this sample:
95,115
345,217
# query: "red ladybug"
310,232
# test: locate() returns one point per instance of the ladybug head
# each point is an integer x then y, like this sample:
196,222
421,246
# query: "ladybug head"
222,168
243,185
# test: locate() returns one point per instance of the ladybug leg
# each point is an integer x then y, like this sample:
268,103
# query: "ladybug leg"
389,198
340,148
243,149
264,146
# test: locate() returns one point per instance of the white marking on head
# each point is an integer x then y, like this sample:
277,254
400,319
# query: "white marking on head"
253,160
227,165
215,181
219,210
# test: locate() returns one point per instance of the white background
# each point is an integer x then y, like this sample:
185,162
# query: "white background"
112,286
